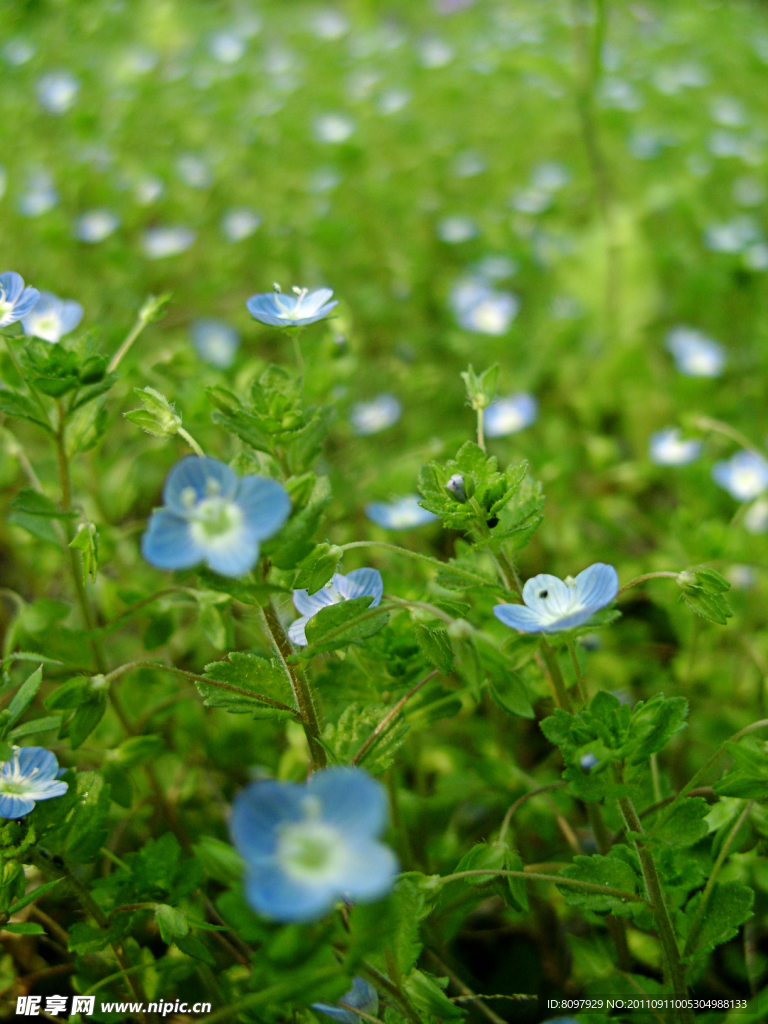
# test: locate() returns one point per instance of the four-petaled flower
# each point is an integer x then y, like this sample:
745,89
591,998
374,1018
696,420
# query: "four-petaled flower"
15,300
744,475
29,776
303,307
510,414
211,515
307,846
52,318
358,583
362,996
552,604
401,514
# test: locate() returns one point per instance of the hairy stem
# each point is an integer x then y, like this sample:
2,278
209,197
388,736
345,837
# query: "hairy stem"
558,683
388,718
568,883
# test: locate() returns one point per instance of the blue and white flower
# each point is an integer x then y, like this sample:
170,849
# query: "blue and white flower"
668,448
695,354
362,996
374,416
227,46
194,171
744,475
30,775
402,514
16,301
510,414
57,91
160,242
732,236
96,225
239,224
308,846
214,516
455,230
303,307
358,583
216,342
40,195
333,128
52,318
481,309
756,518
552,604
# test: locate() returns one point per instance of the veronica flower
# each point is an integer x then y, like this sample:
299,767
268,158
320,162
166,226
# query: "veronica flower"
216,342
329,24
455,230
227,46
491,313
550,175
531,200
303,307
401,514
333,128
57,91
52,318
239,224
508,415
96,225
362,996
40,196
308,846
744,476
18,51
194,171
29,776
148,190
16,301
371,417
756,519
435,52
167,241
732,236
551,604
358,583
211,515
468,164
668,448
393,100
695,354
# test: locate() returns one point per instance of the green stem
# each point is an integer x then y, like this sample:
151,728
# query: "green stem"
295,333
387,719
568,883
480,436
191,442
469,576
519,803
707,423
147,314
644,577
553,667
580,685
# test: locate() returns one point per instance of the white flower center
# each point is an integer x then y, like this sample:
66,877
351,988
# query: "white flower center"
215,521
311,852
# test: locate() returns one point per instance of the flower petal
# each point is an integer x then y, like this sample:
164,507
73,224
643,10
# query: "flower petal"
370,869
548,596
201,474
258,812
597,586
310,604
273,894
360,583
40,761
70,316
12,285
351,800
265,504
12,806
168,542
236,558
517,616
296,632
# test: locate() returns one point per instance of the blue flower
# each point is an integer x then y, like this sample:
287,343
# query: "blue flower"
371,417
668,448
211,515
29,776
15,300
744,476
362,996
510,414
216,342
160,242
552,604
57,91
359,583
401,514
308,846
695,354
96,225
303,307
481,309
52,318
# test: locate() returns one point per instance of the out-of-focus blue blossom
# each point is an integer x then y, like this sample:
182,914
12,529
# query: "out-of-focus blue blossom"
672,79
194,171
29,776
455,230
211,515
167,241
748,191
744,475
16,301
723,144
324,179
303,307
391,101
216,342
371,417
358,583
468,164
552,604
18,51
227,46
435,52
329,24
587,762
57,91
333,128
756,257
550,175
619,94
645,145
362,996
727,111
495,268
148,190
52,318
481,309
239,224
733,236
695,354
668,448
40,195
96,225
308,846
531,200
402,514
509,414
744,577
565,307
139,61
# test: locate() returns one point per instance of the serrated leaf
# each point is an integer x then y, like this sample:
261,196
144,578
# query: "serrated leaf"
248,685
436,647
14,404
610,871
729,906
172,923
685,826
344,623
748,778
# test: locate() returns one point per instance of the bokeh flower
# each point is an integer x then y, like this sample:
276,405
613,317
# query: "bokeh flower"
694,353
401,514
307,846
96,225
52,318
194,171
333,128
29,776
280,310
16,301
510,414
160,242
227,46
358,583
57,91
744,475
668,448
481,309
362,996
40,195
374,416
216,342
211,515
457,229
239,224
552,604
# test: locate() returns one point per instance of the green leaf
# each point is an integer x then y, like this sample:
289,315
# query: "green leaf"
317,568
248,685
496,857
748,778
34,503
703,590
36,894
86,834
481,390
354,726
512,696
85,719
137,750
212,625
14,404
84,938
24,928
36,726
344,623
172,923
219,860
685,826
611,871
428,998
729,906
86,541
436,647
158,415
194,947
294,542
25,695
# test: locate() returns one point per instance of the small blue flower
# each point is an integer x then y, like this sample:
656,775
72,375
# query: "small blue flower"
744,476
455,230
481,309
96,225
668,448
371,417
15,300
695,354
308,846
160,242
211,515
303,307
552,604
216,342
29,776
401,514
40,195
359,583
362,996
508,415
57,91
52,318
239,224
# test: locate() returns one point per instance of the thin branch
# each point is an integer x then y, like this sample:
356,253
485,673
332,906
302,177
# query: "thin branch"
569,883
646,576
519,803
381,727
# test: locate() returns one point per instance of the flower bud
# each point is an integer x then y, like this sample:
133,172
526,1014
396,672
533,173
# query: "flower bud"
456,488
